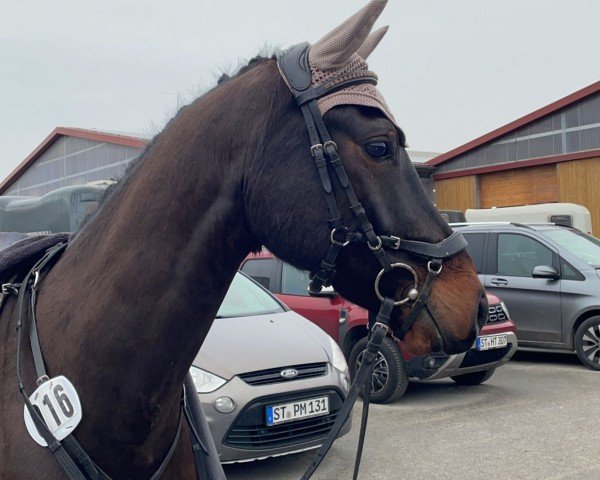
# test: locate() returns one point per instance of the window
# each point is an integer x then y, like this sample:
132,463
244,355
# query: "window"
518,255
245,298
294,281
585,247
569,272
260,270
475,245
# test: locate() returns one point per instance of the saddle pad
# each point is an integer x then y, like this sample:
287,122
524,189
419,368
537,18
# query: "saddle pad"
19,257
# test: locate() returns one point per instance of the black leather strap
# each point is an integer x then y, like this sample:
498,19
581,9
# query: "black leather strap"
295,69
362,379
208,466
447,248
76,463
421,303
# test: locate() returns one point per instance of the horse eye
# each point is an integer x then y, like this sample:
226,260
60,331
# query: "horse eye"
377,149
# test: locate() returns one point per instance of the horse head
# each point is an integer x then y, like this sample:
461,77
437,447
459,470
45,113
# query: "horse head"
335,193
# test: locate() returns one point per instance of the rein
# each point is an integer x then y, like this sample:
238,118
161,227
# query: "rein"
294,67
71,456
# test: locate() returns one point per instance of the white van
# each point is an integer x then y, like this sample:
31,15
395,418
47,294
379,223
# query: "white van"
568,214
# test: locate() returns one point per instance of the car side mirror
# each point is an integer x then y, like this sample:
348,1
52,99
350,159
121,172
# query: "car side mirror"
545,271
326,292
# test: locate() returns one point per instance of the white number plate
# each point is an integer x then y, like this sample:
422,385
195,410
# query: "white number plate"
58,403
288,412
490,342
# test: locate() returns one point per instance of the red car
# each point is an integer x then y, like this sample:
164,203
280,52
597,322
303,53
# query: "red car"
346,323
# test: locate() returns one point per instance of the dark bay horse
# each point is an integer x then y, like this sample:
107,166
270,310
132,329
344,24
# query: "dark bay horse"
125,310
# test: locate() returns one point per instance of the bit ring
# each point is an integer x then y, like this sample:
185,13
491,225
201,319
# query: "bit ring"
396,265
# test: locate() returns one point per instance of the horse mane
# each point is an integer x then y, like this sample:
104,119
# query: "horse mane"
134,164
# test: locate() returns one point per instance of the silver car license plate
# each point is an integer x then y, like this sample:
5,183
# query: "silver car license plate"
289,412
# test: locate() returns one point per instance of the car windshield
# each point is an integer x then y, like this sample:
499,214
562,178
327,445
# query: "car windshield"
584,247
245,298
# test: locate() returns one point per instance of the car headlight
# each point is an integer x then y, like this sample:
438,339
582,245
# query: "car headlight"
337,358
204,381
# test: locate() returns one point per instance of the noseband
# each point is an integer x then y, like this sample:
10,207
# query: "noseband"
294,67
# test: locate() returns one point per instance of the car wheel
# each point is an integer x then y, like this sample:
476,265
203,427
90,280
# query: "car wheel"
587,343
389,380
474,378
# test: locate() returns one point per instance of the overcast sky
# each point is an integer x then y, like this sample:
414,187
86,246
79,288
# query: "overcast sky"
450,70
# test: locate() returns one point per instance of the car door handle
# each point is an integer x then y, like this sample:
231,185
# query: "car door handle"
498,281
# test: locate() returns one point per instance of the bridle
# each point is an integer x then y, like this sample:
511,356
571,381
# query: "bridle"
294,67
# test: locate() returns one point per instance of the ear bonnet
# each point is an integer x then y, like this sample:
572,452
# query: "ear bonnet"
342,53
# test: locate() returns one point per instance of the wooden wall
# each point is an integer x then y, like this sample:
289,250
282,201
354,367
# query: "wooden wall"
456,193
579,182
521,186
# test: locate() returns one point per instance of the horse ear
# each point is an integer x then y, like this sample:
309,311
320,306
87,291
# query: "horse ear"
335,49
371,42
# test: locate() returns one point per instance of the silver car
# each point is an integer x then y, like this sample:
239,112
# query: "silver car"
270,382
549,277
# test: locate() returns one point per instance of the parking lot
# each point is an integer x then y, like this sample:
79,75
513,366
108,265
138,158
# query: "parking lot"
538,417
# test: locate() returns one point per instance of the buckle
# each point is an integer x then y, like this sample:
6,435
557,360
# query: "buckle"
330,144
314,148
10,288
396,244
385,327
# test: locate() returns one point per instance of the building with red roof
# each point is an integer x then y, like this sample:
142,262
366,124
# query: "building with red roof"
72,156
550,155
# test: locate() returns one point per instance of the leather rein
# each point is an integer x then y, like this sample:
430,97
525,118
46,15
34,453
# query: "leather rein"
294,67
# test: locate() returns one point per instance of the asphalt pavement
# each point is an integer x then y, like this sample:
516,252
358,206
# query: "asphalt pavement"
537,418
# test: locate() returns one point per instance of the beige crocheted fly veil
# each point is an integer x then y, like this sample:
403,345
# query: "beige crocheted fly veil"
345,50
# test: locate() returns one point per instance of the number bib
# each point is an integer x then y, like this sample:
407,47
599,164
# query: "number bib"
59,405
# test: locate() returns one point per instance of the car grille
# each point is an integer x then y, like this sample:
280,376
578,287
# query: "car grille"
272,375
250,432
475,357
496,314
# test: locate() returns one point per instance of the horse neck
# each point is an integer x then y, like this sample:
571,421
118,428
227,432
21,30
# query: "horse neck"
134,295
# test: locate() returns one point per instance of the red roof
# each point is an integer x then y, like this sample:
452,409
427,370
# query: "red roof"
494,134
105,137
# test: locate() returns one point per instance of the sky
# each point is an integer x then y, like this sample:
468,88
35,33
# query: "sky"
450,70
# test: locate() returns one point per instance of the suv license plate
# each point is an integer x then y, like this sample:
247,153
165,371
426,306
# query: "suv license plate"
491,341
288,412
